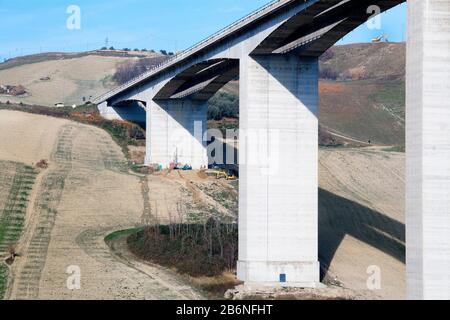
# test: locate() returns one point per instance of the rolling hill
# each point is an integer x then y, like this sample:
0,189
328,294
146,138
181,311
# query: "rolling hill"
67,78
362,87
362,92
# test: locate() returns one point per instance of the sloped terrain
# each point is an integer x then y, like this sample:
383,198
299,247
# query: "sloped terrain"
362,94
64,78
85,194
361,218
362,61
364,110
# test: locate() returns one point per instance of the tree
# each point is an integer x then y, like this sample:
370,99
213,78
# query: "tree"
223,105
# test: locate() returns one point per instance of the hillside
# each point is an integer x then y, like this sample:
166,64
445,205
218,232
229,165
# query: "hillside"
362,87
362,92
52,78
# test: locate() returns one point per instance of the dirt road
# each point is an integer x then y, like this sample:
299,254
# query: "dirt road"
85,194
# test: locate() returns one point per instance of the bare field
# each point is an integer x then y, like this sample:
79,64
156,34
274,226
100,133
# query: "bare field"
85,194
70,79
361,218
26,138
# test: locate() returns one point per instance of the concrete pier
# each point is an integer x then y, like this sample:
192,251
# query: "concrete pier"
278,206
428,150
175,132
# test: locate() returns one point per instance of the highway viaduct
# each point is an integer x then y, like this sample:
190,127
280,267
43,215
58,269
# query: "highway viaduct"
275,52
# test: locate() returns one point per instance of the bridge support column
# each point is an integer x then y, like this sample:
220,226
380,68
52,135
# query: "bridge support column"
175,131
278,207
428,150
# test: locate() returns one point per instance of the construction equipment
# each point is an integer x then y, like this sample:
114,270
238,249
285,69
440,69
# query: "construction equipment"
382,38
225,174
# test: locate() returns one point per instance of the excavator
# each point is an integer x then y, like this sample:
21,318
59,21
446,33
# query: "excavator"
382,38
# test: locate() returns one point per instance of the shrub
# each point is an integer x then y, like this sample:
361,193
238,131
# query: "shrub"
223,105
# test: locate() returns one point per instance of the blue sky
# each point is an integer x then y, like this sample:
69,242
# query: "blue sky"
32,26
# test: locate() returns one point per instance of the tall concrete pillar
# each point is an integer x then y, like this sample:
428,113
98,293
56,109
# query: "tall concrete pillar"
428,150
278,204
175,130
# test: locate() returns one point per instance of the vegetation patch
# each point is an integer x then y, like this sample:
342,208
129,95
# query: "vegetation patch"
192,249
122,233
392,97
205,253
223,105
400,149
3,279
12,214
224,124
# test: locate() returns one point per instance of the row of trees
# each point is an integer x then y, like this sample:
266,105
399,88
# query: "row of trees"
206,249
163,52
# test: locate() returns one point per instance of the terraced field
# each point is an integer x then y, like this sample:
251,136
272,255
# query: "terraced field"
16,184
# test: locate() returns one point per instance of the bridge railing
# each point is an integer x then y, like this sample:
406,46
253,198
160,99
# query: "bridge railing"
183,54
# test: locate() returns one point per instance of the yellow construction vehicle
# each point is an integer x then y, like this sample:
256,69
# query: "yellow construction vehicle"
225,174
382,38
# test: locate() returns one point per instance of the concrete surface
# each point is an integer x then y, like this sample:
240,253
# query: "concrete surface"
175,132
278,170
428,150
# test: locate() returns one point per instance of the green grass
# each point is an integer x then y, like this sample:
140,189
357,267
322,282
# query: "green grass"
393,97
3,279
12,217
122,233
13,214
400,149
